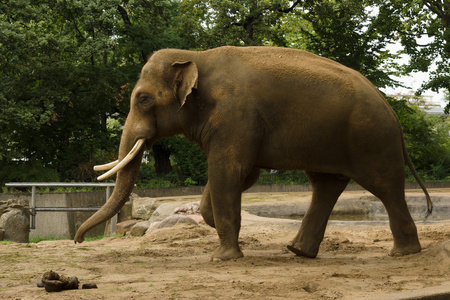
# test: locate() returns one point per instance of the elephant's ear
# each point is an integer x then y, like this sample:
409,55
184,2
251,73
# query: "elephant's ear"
185,80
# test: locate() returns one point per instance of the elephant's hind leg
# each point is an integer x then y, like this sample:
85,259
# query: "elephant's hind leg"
326,190
404,231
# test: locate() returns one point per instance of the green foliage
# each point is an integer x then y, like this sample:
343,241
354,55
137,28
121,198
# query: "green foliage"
352,33
424,33
66,69
189,166
190,182
38,239
282,177
27,171
426,137
213,23
190,160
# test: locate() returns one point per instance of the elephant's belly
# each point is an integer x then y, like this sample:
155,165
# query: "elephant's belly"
318,158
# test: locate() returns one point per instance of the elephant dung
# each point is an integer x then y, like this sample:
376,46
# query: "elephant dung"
143,208
88,286
140,228
53,282
53,286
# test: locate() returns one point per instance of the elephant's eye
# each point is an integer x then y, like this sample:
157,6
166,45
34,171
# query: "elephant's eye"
146,99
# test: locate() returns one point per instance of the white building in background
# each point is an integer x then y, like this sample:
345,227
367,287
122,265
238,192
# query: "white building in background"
426,102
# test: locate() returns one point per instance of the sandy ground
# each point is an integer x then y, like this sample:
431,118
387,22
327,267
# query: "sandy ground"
174,263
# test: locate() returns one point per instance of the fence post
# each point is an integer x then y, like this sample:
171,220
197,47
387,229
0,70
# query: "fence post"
113,219
33,207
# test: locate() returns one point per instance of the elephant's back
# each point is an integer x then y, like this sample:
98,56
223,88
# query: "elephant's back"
282,62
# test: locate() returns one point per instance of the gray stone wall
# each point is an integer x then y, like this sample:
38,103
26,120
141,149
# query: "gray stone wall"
62,224
65,224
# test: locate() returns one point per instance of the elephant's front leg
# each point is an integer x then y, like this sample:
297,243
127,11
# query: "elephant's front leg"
225,191
206,207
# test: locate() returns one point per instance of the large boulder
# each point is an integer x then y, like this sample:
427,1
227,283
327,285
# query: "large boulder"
191,208
15,221
174,220
140,228
143,208
124,215
123,227
170,222
163,211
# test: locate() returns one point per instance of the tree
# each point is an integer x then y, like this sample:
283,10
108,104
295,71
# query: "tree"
213,23
353,33
189,159
426,137
424,33
66,67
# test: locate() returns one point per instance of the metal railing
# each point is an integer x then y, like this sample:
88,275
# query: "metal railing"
34,208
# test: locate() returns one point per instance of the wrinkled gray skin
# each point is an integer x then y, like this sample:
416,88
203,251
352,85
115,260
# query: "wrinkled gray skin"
261,107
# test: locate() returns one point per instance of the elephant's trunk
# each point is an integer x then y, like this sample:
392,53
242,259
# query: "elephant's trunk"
126,178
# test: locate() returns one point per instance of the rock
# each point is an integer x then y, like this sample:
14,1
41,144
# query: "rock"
2,234
143,208
40,283
163,211
16,224
188,209
176,219
170,221
153,226
446,250
125,213
140,228
3,207
123,227
17,203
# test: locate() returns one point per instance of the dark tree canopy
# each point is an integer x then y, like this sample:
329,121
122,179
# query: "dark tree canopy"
67,67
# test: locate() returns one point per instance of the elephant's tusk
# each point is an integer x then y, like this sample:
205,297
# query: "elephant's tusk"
106,166
136,148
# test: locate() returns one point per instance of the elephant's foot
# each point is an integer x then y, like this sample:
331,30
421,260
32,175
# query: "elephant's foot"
225,253
405,250
302,251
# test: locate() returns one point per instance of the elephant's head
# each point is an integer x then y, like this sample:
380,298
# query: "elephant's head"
156,101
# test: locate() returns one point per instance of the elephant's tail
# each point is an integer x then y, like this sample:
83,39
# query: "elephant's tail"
418,179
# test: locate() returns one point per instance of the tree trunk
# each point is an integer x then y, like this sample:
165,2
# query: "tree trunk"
161,154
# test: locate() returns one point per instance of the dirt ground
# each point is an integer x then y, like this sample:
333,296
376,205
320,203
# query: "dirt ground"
174,263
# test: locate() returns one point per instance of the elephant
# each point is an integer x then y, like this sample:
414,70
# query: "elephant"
252,108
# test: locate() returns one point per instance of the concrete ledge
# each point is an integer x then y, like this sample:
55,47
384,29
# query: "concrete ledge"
270,188
441,292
